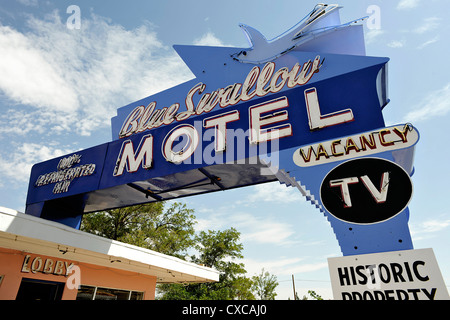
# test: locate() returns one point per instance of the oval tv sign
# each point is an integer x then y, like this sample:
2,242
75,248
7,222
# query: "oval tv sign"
366,190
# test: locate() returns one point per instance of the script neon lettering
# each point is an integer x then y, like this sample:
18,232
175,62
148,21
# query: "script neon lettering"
257,83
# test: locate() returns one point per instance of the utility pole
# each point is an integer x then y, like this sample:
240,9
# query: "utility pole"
293,286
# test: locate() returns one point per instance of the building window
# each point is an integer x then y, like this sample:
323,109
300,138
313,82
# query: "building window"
99,293
136,295
86,293
33,289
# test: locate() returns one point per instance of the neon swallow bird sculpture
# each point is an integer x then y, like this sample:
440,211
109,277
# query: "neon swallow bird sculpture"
322,20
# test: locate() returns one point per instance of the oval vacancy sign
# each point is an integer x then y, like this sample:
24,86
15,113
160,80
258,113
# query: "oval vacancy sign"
366,190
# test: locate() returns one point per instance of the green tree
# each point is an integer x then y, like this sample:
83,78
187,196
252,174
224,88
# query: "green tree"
313,295
264,285
169,231
219,250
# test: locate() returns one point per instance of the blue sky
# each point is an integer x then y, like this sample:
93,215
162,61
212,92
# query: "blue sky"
59,89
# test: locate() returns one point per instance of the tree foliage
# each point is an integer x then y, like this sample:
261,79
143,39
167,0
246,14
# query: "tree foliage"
149,226
264,285
171,231
218,250
313,295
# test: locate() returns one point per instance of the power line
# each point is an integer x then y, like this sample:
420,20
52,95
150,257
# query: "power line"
307,280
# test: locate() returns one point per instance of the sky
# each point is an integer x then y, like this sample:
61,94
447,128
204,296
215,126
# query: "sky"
60,85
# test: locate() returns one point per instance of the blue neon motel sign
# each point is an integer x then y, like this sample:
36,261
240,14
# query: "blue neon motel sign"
288,110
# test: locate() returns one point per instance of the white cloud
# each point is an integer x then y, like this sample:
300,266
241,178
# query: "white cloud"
209,39
29,77
282,267
372,35
396,44
407,4
431,226
80,77
436,104
435,225
273,266
215,219
59,81
308,267
31,3
427,43
428,24
270,192
26,120
253,228
266,231
16,165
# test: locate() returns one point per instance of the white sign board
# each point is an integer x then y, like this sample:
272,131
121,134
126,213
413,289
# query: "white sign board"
396,275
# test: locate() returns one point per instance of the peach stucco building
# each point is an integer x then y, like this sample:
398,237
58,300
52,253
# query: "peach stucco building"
41,259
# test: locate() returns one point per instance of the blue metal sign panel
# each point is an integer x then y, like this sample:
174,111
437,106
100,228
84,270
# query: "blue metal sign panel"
274,111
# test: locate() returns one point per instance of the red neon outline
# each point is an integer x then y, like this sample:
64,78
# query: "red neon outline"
330,115
288,125
135,153
205,125
189,138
